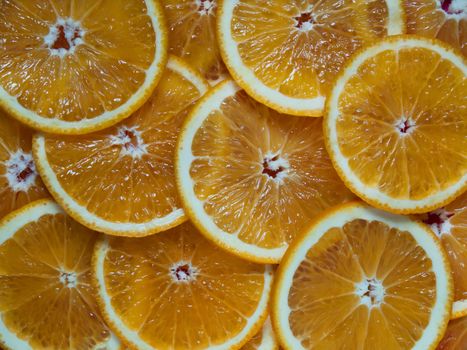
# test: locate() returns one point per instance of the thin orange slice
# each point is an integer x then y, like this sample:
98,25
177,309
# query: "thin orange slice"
192,35
72,67
46,298
286,54
19,181
251,178
455,337
263,340
361,278
442,19
396,124
176,290
450,225
121,180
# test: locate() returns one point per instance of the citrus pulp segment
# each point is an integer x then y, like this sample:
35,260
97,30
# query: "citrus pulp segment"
286,54
72,67
121,180
442,19
396,122
46,299
450,225
19,181
263,340
455,337
177,290
192,35
360,277
249,177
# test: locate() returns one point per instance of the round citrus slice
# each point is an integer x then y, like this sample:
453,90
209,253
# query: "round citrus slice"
250,178
286,54
46,299
455,337
121,180
396,122
263,340
442,19
19,181
450,225
192,35
72,67
361,278
177,290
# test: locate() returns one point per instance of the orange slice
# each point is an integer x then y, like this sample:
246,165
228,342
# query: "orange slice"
361,278
455,337
251,178
286,54
176,290
263,340
46,299
72,67
450,225
19,181
442,19
192,35
121,180
396,122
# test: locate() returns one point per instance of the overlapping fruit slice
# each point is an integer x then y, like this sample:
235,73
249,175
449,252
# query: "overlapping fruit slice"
46,299
251,178
361,278
121,180
263,340
442,19
450,225
286,54
455,337
396,122
76,66
19,180
192,35
177,290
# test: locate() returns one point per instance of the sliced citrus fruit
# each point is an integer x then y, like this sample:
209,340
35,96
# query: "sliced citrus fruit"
286,54
250,178
72,67
177,290
46,298
192,35
396,122
361,278
263,340
121,180
442,19
450,225
455,337
19,181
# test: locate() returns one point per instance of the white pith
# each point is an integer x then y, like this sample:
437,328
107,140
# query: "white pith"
426,241
135,150
376,292
133,337
69,26
268,341
208,7
272,97
456,6
180,276
340,161
275,165
89,218
17,163
192,203
11,104
401,124
8,227
68,279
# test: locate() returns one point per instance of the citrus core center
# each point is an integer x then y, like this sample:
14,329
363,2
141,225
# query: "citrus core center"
63,37
21,171
438,220
371,292
305,21
183,272
454,7
205,7
131,141
405,126
68,279
275,167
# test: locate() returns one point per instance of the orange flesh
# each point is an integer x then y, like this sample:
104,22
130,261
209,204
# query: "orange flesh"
205,310
228,171
192,35
34,303
101,176
303,64
119,45
428,18
13,138
393,86
455,337
328,314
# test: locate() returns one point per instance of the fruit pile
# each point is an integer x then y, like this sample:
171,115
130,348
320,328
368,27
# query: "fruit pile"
233,174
